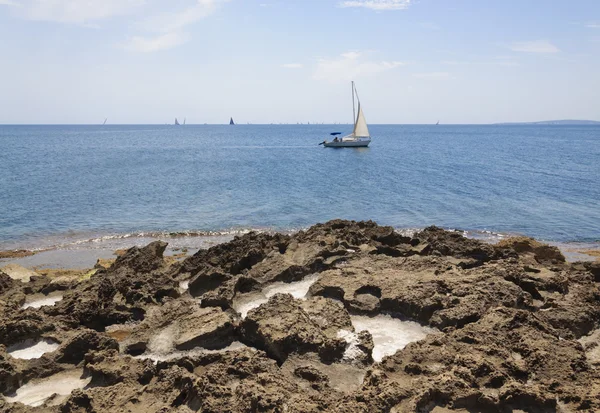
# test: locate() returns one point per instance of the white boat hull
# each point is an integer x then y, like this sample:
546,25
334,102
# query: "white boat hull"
355,143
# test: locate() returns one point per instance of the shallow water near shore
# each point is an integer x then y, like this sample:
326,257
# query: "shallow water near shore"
63,182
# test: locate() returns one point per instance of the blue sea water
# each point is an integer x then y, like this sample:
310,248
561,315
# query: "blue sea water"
542,181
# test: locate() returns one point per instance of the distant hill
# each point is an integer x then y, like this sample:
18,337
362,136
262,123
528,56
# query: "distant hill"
553,122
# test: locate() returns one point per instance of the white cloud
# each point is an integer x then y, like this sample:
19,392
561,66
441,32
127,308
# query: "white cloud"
175,21
73,11
377,4
351,55
155,43
171,26
292,65
432,75
537,46
163,30
350,66
593,25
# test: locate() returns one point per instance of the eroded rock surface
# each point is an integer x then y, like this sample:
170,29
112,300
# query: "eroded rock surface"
512,327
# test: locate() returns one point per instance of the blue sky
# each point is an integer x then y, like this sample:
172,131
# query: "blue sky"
263,61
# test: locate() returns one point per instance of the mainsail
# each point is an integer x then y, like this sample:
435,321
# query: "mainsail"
231,121
360,136
176,122
360,126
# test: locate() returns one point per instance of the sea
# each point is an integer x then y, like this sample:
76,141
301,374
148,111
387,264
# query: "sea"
106,186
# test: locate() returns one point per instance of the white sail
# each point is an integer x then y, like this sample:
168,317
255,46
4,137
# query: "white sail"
360,137
360,127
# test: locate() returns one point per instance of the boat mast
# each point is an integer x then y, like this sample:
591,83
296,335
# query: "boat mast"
353,109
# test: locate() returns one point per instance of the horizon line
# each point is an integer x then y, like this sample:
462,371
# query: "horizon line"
549,122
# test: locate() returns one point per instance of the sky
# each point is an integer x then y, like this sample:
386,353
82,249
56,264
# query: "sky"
264,61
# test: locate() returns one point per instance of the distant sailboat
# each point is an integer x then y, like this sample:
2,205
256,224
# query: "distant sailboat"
231,122
359,137
105,119
438,122
184,121
176,122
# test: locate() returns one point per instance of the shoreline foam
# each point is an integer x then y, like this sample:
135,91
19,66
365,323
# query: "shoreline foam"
83,252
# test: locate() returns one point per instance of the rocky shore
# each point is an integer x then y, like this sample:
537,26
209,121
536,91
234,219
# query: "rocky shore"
343,317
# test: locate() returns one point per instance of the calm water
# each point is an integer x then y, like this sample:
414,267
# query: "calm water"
72,181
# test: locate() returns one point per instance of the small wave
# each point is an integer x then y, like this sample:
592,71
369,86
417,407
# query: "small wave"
481,235
162,234
70,240
197,238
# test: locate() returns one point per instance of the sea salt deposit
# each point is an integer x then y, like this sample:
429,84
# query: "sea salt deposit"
174,354
36,392
37,301
30,349
389,334
297,289
184,285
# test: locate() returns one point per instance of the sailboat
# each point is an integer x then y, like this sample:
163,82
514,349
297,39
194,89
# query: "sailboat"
231,121
438,122
360,137
184,121
176,122
104,123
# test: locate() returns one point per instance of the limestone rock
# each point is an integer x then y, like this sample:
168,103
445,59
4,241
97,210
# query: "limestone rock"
18,273
281,327
141,260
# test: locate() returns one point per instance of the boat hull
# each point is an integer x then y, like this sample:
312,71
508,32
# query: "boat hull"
348,144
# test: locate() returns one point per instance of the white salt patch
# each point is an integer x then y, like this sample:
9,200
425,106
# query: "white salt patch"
352,351
38,301
591,345
35,393
297,289
163,342
184,285
29,349
174,355
390,334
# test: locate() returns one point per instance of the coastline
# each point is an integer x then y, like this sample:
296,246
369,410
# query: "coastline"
76,251
347,316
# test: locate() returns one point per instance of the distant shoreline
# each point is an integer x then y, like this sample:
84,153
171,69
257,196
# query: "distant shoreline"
553,122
